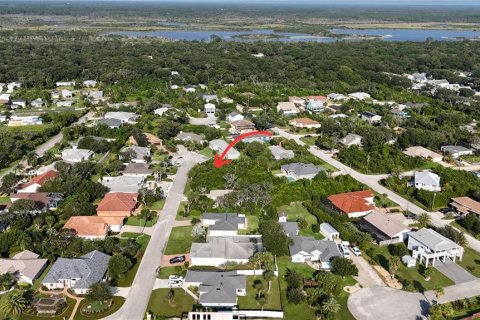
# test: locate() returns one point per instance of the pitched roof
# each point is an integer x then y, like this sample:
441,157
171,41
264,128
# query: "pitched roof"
41,179
123,183
224,221
189,136
118,201
287,106
352,201
328,249
224,248
242,123
302,169
217,287
93,226
427,178
25,263
433,240
304,121
419,151
466,202
89,269
389,224
137,168
290,228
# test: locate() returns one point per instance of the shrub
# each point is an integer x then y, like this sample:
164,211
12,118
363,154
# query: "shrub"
398,249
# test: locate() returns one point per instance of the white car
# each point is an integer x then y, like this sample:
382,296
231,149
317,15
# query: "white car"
356,251
175,281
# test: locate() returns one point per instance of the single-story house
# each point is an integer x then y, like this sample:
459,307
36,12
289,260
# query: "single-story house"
351,139
76,155
353,204
299,170
304,123
465,205
190,137
137,170
234,116
305,249
24,121
26,266
111,123
370,117
123,183
456,151
94,227
38,181
219,250
65,83
118,204
426,180
43,200
359,95
209,97
428,246
386,228
217,289
223,224
287,108
65,103
20,103
5,98
290,228
90,83
329,232
209,108
67,94
219,146
164,108
77,274
141,154
337,97
242,126
280,153
189,89
419,151
37,103
125,117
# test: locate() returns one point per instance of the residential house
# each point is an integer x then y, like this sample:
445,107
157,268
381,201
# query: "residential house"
334,108
189,89
209,109
140,154
217,195
65,103
95,94
137,170
123,183
3,119
19,103
217,289
67,94
77,274
55,95
37,182
37,103
351,139
76,155
315,106
329,232
359,96
234,116
386,228
190,137
370,117
304,123
93,227
12,86
223,224
465,205
279,153
287,108
90,83
26,266
297,100
428,246
426,180
290,228
227,100
111,123
337,97
300,170
419,151
164,108
43,200
220,250
65,83
353,204
124,117
339,115
118,204
209,97
220,145
24,121
242,126
305,249
399,113
5,98
456,151
174,87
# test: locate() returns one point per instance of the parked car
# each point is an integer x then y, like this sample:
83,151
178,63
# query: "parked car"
177,259
356,251
175,281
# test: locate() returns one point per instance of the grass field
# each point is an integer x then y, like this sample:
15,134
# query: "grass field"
180,240
136,221
471,261
117,304
249,301
160,306
309,140
297,210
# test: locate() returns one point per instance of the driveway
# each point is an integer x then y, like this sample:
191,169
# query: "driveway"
453,271
203,121
367,276
166,263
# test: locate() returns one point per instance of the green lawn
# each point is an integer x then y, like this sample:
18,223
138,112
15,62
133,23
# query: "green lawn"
309,140
471,261
166,271
417,282
142,240
136,221
249,302
5,200
252,225
30,128
180,240
296,210
381,201
471,158
160,306
117,303
207,152
38,283
158,205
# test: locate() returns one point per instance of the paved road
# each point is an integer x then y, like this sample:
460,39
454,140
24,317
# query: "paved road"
139,293
50,143
386,303
454,271
372,181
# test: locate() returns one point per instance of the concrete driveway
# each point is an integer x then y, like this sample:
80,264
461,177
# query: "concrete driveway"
203,121
453,271
367,276
166,263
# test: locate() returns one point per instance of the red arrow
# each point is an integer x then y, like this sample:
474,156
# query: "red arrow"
219,161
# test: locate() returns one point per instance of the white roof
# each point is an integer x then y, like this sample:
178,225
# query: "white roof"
76,154
419,151
433,240
427,178
123,183
286,106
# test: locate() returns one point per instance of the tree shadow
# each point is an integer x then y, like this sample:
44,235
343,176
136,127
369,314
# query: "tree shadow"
424,306
418,286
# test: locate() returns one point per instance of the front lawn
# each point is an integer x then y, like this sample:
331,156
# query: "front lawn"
117,304
136,221
180,240
142,240
471,261
157,206
249,301
207,152
160,306
309,140
296,210
167,271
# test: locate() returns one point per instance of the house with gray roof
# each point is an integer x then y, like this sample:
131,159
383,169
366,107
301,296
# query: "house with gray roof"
76,155
217,289
123,183
218,251
351,140
77,274
111,123
300,170
426,180
223,224
280,153
289,227
124,117
141,154
26,266
308,249
456,151
137,170
190,137
210,97
428,246
219,146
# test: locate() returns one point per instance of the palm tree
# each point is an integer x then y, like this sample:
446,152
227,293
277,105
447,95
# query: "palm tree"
439,291
14,304
330,306
423,220
6,281
427,273
268,275
393,265
259,286
262,300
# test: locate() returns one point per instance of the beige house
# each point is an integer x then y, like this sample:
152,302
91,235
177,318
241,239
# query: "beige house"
422,152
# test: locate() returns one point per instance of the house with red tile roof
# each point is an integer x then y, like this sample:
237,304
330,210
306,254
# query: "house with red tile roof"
354,204
94,227
118,204
38,181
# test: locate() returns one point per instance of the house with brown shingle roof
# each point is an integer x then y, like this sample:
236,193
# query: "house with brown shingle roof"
304,123
353,204
465,205
386,228
242,126
26,266
118,204
38,181
94,227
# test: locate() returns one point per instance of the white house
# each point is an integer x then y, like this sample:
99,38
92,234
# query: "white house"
428,246
280,153
219,146
209,108
24,121
359,95
370,117
67,94
351,139
19,102
223,224
329,232
426,180
305,249
287,108
76,155
337,97
141,154
456,151
65,103
124,117
65,83
90,83
37,103
234,116
189,89
419,151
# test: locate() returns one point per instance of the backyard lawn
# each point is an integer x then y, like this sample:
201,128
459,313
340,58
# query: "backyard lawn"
159,305
249,302
180,240
207,152
296,210
252,225
471,261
